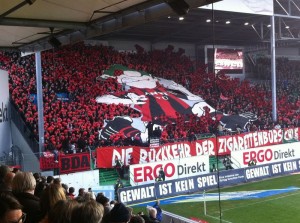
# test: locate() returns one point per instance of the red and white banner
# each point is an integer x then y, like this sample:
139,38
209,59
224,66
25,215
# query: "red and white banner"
47,163
137,155
291,134
173,169
226,144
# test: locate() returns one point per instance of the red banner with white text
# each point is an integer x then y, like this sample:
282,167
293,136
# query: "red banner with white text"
221,145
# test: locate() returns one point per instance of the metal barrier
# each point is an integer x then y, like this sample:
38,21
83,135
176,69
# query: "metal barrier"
12,158
6,159
170,217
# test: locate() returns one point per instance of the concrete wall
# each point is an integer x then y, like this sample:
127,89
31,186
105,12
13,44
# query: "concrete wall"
5,132
30,161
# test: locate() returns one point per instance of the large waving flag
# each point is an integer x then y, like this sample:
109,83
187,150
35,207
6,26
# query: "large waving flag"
152,96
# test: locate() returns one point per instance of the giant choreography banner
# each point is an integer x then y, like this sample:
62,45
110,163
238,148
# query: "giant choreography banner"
154,98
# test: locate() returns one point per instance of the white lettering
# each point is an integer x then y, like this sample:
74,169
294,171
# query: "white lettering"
137,194
289,166
206,181
257,172
184,185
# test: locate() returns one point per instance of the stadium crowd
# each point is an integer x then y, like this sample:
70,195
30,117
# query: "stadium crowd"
27,197
75,71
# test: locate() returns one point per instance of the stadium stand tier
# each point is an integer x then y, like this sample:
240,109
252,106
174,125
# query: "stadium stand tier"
75,72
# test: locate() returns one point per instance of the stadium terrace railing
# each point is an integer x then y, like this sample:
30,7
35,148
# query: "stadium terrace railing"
170,217
12,158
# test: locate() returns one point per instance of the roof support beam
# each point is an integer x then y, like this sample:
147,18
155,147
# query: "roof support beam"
15,8
42,23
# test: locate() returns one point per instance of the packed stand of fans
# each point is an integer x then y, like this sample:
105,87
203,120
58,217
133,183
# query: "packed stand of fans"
27,197
75,71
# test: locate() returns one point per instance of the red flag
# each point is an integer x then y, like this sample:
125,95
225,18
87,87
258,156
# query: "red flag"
222,97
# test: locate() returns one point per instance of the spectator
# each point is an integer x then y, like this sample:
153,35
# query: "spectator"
53,150
157,132
6,186
101,199
90,211
81,192
50,180
158,211
37,177
227,163
152,215
119,167
57,181
23,187
51,195
66,147
40,187
61,212
118,185
159,178
10,209
252,162
238,128
119,213
150,130
137,219
162,174
130,210
66,187
3,171
86,197
91,193
112,203
214,168
145,217
71,194
220,129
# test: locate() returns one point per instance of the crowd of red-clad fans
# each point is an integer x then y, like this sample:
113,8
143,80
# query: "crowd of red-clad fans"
33,198
75,70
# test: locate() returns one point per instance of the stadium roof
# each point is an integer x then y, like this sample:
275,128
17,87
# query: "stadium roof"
28,25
